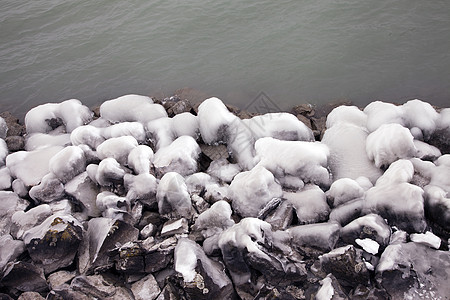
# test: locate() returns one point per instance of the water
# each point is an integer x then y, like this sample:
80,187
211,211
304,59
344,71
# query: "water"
295,51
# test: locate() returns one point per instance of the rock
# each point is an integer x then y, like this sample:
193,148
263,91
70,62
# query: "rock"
314,239
179,107
173,197
281,218
9,250
30,296
347,212
159,255
304,110
330,289
141,187
362,292
310,204
98,286
68,163
13,125
370,226
15,143
173,227
5,178
22,221
60,278
441,140
214,220
305,120
215,152
145,289
346,265
10,203
130,258
50,189
414,271
84,190
203,278
24,277
54,243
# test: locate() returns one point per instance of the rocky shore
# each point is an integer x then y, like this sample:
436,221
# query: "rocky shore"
179,198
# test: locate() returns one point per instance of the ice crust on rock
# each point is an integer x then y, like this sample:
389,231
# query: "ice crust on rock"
3,152
379,113
131,108
118,148
216,219
344,190
87,135
346,114
68,163
134,129
140,159
3,128
38,140
172,196
310,204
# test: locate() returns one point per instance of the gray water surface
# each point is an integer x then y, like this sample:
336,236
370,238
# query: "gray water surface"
295,51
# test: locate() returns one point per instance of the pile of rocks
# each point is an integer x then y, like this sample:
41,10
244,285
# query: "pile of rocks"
152,210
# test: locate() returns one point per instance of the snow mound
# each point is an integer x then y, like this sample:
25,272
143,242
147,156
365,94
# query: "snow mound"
87,135
68,163
310,204
133,129
422,115
131,108
46,117
214,220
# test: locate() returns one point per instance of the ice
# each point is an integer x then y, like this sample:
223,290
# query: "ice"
68,163
426,151
441,174
369,226
83,189
291,182
320,236
379,113
131,108
344,190
282,126
118,148
141,187
23,221
428,238
140,159
19,188
160,132
223,170
109,172
214,119
347,114
326,290
180,156
173,197
134,129
241,144
50,189
421,115
31,166
9,204
252,190
306,160
10,249
88,135
109,201
348,156
3,128
443,121
216,219
395,199
197,182
389,143
38,140
3,152
185,124
310,204
370,246
346,212
46,117
5,178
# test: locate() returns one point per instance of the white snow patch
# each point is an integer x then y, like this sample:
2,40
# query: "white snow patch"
326,290
427,238
88,135
379,113
68,163
134,129
216,219
369,245
172,195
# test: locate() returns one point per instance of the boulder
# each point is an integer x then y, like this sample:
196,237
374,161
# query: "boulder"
50,189
24,277
145,289
314,239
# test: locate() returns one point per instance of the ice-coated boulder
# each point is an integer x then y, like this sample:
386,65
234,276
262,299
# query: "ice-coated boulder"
185,124
389,143
223,170
173,197
420,114
379,113
140,159
3,152
310,204
203,278
46,117
50,189
395,199
314,239
24,277
83,189
118,148
9,204
347,212
111,205
252,190
5,178
68,163
87,135
146,288
141,187
31,166
344,190
10,249
107,172
39,140
134,129
180,156
54,243
437,206
215,220
131,108
306,160
346,114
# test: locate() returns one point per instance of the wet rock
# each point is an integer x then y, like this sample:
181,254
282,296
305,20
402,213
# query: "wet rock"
314,239
159,255
347,212
305,109
362,292
173,227
414,271
281,217
145,289
15,143
370,226
441,140
50,189
203,278
24,277
173,197
54,243
129,258
310,204
14,127
346,265
10,249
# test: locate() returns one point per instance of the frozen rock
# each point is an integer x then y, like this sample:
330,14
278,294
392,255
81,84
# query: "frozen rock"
347,212
426,151
140,159
437,205
203,278
173,227
24,277
346,264
414,271
50,189
252,190
54,243
427,238
185,124
348,156
389,143
379,113
37,140
23,221
30,296
330,289
420,115
310,204
3,152
118,148
314,239
108,172
306,160
346,114
134,129
160,132
344,190
15,143
31,166
46,117
180,156
112,205
145,289
10,249
441,136
282,126
223,170
159,255
3,128
393,198
87,135
68,163
83,189
197,182
147,231
173,197
9,204
369,226
216,219
131,108
5,178
141,187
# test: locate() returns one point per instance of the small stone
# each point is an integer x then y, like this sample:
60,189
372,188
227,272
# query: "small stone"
15,143
179,107
24,277
30,296
59,278
145,289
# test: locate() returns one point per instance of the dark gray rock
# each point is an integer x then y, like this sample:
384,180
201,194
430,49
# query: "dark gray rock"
129,258
24,277
215,152
331,289
145,289
362,292
281,218
441,140
15,143
314,239
98,286
159,255
347,212
84,190
30,296
370,226
179,107
14,127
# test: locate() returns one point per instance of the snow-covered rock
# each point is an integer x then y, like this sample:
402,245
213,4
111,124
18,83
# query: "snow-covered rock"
39,140
215,220
87,135
141,187
427,238
83,189
3,152
9,204
50,189
140,159
68,163
118,148
134,129
370,226
131,108
173,197
223,170
108,172
422,115
346,114
379,113
252,190
5,178
10,249
310,204
344,190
